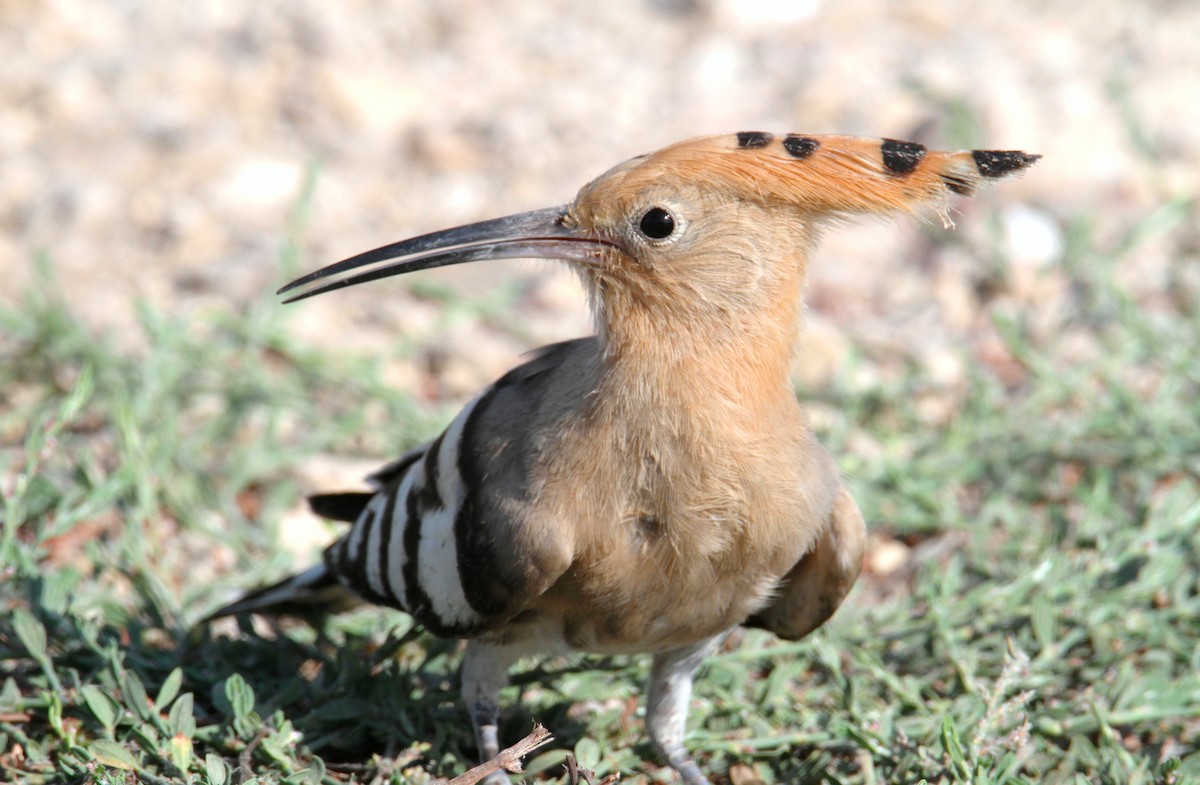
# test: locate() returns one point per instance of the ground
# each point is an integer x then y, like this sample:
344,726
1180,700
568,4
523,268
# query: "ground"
1012,402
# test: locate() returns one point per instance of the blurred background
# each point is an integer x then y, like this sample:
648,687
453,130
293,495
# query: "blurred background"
1012,401
158,151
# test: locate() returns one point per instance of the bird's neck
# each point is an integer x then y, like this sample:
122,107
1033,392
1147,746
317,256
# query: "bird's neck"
681,357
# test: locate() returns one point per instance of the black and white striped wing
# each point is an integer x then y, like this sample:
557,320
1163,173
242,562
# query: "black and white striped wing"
403,550
436,538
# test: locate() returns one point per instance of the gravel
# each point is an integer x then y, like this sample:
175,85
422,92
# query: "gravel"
157,150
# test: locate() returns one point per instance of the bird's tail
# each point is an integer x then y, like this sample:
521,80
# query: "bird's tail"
312,592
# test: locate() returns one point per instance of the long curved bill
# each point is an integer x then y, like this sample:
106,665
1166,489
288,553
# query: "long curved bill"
540,234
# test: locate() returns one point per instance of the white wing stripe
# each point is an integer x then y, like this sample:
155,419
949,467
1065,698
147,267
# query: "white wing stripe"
365,522
372,556
437,562
399,523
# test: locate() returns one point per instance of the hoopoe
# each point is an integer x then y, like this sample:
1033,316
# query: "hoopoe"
652,487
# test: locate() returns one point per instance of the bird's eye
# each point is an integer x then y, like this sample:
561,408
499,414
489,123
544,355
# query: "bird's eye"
657,224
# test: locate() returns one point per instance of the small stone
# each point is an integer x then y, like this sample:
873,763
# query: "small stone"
1033,237
303,534
885,555
261,183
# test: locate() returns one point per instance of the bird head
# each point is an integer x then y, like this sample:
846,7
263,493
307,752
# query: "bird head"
713,226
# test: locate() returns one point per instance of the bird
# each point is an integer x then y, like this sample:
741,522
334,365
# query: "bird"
652,487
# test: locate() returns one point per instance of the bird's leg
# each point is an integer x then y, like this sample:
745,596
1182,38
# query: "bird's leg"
667,704
484,673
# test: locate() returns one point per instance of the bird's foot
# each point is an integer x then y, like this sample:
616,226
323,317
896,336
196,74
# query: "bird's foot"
682,762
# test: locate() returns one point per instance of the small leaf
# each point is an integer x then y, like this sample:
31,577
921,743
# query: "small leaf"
1169,766
587,753
57,590
1045,626
309,776
247,726
145,734
169,689
112,754
240,696
181,752
340,709
953,743
545,761
31,633
135,695
102,707
181,719
54,713
216,769
10,695
276,746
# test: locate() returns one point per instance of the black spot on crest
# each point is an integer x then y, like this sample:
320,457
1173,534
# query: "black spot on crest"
998,163
800,146
901,157
750,140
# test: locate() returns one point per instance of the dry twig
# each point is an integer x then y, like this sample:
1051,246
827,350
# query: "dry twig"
509,759
577,774
246,756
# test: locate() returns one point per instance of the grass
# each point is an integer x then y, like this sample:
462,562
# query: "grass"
1050,633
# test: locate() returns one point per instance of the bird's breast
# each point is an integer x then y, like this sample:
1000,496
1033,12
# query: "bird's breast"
676,541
